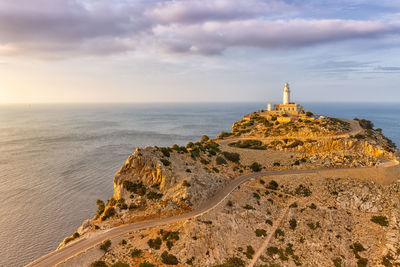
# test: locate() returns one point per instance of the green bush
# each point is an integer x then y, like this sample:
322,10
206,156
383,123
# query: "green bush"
154,196
260,232
136,253
251,144
337,262
120,264
100,207
146,264
215,169
165,162
137,188
293,224
313,206
105,245
155,243
248,207
171,235
223,135
249,252
232,262
362,262
273,185
268,221
256,196
276,164
234,157
303,191
76,235
381,220
220,160
366,124
255,167
98,264
169,259
271,251
204,138
110,211
166,151
278,233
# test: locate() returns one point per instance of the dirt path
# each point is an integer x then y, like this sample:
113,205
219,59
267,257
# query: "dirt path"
275,224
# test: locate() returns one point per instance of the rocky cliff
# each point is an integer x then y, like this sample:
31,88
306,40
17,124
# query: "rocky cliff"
303,219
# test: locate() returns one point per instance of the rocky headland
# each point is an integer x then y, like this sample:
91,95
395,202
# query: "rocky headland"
319,192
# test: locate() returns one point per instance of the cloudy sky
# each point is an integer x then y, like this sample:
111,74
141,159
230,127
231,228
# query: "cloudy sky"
198,50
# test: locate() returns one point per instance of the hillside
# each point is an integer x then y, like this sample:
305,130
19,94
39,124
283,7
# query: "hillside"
323,192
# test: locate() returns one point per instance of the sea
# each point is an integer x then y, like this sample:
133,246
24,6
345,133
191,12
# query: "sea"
56,160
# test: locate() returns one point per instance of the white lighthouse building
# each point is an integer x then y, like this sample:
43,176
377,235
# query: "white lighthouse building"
287,108
286,94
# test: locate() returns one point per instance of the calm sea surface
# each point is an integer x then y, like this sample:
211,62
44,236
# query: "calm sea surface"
57,160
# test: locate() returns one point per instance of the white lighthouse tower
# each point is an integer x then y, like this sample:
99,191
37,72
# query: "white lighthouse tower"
286,94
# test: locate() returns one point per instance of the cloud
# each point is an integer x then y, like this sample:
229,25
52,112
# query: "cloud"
191,11
58,28
214,37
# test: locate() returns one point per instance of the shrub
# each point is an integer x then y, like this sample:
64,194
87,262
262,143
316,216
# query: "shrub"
223,135
220,160
154,196
255,167
120,264
165,162
303,191
293,205
100,207
248,207
105,245
309,114
276,164
362,262
260,232
98,264
215,169
381,220
273,185
166,151
188,170
203,161
171,236
313,206
337,262
366,124
186,183
278,233
155,243
123,242
169,259
256,196
110,211
229,204
293,224
137,188
271,251
249,252
268,221
75,235
234,157
136,253
146,264
204,138
169,245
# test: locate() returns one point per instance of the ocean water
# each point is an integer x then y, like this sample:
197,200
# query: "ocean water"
57,160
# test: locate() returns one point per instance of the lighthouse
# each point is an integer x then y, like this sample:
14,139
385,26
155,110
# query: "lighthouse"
286,94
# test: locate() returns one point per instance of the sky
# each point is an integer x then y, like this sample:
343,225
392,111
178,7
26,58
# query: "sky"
57,51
